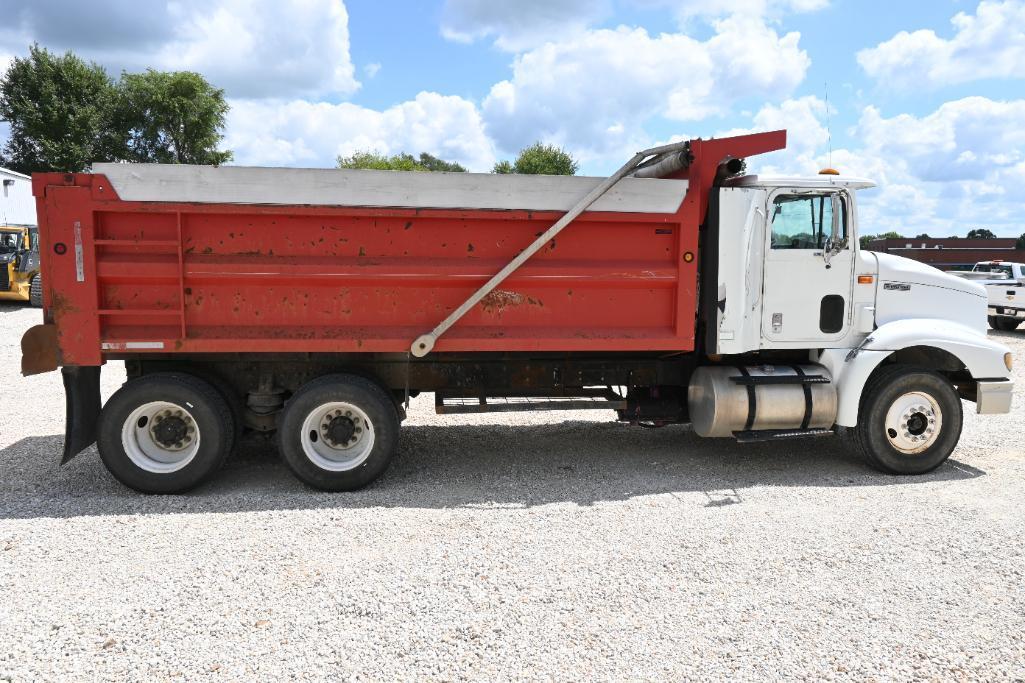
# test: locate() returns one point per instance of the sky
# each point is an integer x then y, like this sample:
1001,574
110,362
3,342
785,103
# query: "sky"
927,98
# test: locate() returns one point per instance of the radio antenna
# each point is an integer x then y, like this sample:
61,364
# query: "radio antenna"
829,133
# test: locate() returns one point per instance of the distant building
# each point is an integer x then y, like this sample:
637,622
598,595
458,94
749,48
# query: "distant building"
950,253
17,205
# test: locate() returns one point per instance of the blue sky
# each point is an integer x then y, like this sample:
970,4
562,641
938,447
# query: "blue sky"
927,98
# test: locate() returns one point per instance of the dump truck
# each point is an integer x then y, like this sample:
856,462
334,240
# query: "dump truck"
315,303
19,264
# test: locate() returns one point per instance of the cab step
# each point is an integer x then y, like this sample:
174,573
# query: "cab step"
584,399
778,434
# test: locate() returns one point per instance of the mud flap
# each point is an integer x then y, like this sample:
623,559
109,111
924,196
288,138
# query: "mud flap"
82,398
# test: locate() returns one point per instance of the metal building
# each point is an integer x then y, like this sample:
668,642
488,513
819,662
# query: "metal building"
17,205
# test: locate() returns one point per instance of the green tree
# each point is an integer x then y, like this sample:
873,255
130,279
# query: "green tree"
433,163
865,239
58,108
981,234
397,162
540,159
923,236
171,117
1020,242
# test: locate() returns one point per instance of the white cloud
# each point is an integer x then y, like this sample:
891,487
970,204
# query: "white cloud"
703,9
959,167
988,44
372,69
967,139
807,136
595,91
280,49
519,25
302,133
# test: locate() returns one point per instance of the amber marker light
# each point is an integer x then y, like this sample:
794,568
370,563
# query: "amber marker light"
866,279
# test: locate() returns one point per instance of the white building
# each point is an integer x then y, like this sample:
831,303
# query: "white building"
17,205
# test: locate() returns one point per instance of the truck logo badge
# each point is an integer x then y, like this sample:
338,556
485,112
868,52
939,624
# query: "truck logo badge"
897,286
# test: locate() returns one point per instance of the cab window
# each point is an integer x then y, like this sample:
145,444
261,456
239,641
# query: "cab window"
805,221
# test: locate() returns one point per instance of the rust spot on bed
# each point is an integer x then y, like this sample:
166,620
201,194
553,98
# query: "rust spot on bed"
501,299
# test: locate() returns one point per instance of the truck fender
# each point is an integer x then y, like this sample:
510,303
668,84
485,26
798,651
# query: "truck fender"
851,368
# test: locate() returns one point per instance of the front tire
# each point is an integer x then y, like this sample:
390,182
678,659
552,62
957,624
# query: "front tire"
909,421
165,433
339,432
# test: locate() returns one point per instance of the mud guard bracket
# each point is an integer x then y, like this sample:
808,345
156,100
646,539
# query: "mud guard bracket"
82,398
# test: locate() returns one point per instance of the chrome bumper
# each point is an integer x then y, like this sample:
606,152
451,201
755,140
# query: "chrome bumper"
993,397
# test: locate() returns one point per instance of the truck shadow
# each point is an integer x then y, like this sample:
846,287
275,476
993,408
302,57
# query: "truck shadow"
477,466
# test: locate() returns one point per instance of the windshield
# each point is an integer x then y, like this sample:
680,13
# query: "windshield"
10,241
997,270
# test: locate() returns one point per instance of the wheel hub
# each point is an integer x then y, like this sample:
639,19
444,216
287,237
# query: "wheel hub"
160,437
913,422
172,429
337,436
341,429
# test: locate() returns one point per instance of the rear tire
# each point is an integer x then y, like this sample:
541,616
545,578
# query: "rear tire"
339,432
35,291
165,433
1003,323
909,421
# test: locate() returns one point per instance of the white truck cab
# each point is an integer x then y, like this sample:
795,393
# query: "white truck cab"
896,340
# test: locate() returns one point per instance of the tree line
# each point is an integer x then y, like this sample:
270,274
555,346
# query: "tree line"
973,234
66,114
537,159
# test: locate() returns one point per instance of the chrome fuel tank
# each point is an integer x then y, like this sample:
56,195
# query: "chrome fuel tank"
725,399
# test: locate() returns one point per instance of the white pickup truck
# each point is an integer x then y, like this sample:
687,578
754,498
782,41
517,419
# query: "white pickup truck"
1005,290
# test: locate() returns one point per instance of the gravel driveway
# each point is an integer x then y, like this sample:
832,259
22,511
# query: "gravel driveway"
548,547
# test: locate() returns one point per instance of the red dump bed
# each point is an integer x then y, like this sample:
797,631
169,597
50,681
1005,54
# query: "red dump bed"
197,259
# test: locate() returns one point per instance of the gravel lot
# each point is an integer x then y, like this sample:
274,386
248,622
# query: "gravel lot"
512,547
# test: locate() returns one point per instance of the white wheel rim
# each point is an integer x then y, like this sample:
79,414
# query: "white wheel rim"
913,422
337,436
150,436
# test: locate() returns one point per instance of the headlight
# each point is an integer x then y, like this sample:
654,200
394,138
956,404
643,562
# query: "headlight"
1009,361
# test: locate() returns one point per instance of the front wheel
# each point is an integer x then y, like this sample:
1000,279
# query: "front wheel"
909,421
339,432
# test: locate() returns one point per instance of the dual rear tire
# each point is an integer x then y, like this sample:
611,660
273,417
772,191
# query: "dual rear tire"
339,432
169,432
1003,323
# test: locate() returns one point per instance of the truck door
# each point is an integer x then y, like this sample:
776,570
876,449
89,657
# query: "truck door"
807,285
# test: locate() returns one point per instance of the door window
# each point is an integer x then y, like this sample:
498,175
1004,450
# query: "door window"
803,221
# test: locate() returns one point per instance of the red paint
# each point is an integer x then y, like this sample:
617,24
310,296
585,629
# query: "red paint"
231,278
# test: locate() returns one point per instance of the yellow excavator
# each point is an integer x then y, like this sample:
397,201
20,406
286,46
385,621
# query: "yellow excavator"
19,264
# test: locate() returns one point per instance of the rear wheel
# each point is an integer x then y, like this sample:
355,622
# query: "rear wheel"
165,433
35,291
339,432
909,421
1003,323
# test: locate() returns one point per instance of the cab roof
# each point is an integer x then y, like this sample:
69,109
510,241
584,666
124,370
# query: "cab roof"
811,182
